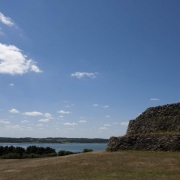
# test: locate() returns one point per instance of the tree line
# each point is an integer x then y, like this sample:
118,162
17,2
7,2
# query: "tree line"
11,152
29,150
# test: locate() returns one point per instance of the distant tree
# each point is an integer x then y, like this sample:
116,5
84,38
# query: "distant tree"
61,153
19,150
64,153
49,150
31,149
1,150
87,150
11,149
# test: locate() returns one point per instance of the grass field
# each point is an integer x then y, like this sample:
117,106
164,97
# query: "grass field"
100,165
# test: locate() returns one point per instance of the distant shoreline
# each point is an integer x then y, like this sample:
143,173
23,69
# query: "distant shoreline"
58,140
45,143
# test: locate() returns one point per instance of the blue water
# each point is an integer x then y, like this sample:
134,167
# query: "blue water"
58,147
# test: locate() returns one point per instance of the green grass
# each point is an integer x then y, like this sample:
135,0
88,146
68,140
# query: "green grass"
122,165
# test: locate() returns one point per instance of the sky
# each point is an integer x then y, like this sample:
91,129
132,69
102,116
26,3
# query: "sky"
83,69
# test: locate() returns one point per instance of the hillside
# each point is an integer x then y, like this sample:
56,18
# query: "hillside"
100,165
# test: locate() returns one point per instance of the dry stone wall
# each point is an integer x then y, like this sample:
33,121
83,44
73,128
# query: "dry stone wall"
158,128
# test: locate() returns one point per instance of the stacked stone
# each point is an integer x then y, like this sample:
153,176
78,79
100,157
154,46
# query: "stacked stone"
158,128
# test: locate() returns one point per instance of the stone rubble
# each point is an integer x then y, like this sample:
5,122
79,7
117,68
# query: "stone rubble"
157,129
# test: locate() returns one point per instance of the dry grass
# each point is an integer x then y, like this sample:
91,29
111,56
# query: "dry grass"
123,165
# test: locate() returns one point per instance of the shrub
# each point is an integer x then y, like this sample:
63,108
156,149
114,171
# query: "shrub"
52,154
64,153
34,155
87,150
61,153
10,156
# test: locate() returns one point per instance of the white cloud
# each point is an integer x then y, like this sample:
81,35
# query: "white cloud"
61,116
107,125
4,122
154,99
35,68
11,84
105,106
44,120
31,124
69,129
29,128
95,105
103,128
13,61
14,111
15,127
24,121
6,20
107,116
115,123
124,123
34,113
63,112
48,116
80,75
39,125
1,33
82,121
70,124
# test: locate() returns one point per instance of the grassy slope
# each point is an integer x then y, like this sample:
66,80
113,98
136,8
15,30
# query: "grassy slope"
131,165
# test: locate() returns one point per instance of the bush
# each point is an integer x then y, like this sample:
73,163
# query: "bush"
64,153
61,153
10,156
52,154
87,150
34,155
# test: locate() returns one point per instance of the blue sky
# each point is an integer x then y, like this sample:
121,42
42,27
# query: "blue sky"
75,68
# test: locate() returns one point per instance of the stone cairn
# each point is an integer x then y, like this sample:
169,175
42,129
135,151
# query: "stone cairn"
157,129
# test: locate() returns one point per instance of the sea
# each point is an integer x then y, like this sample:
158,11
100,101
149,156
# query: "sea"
74,147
